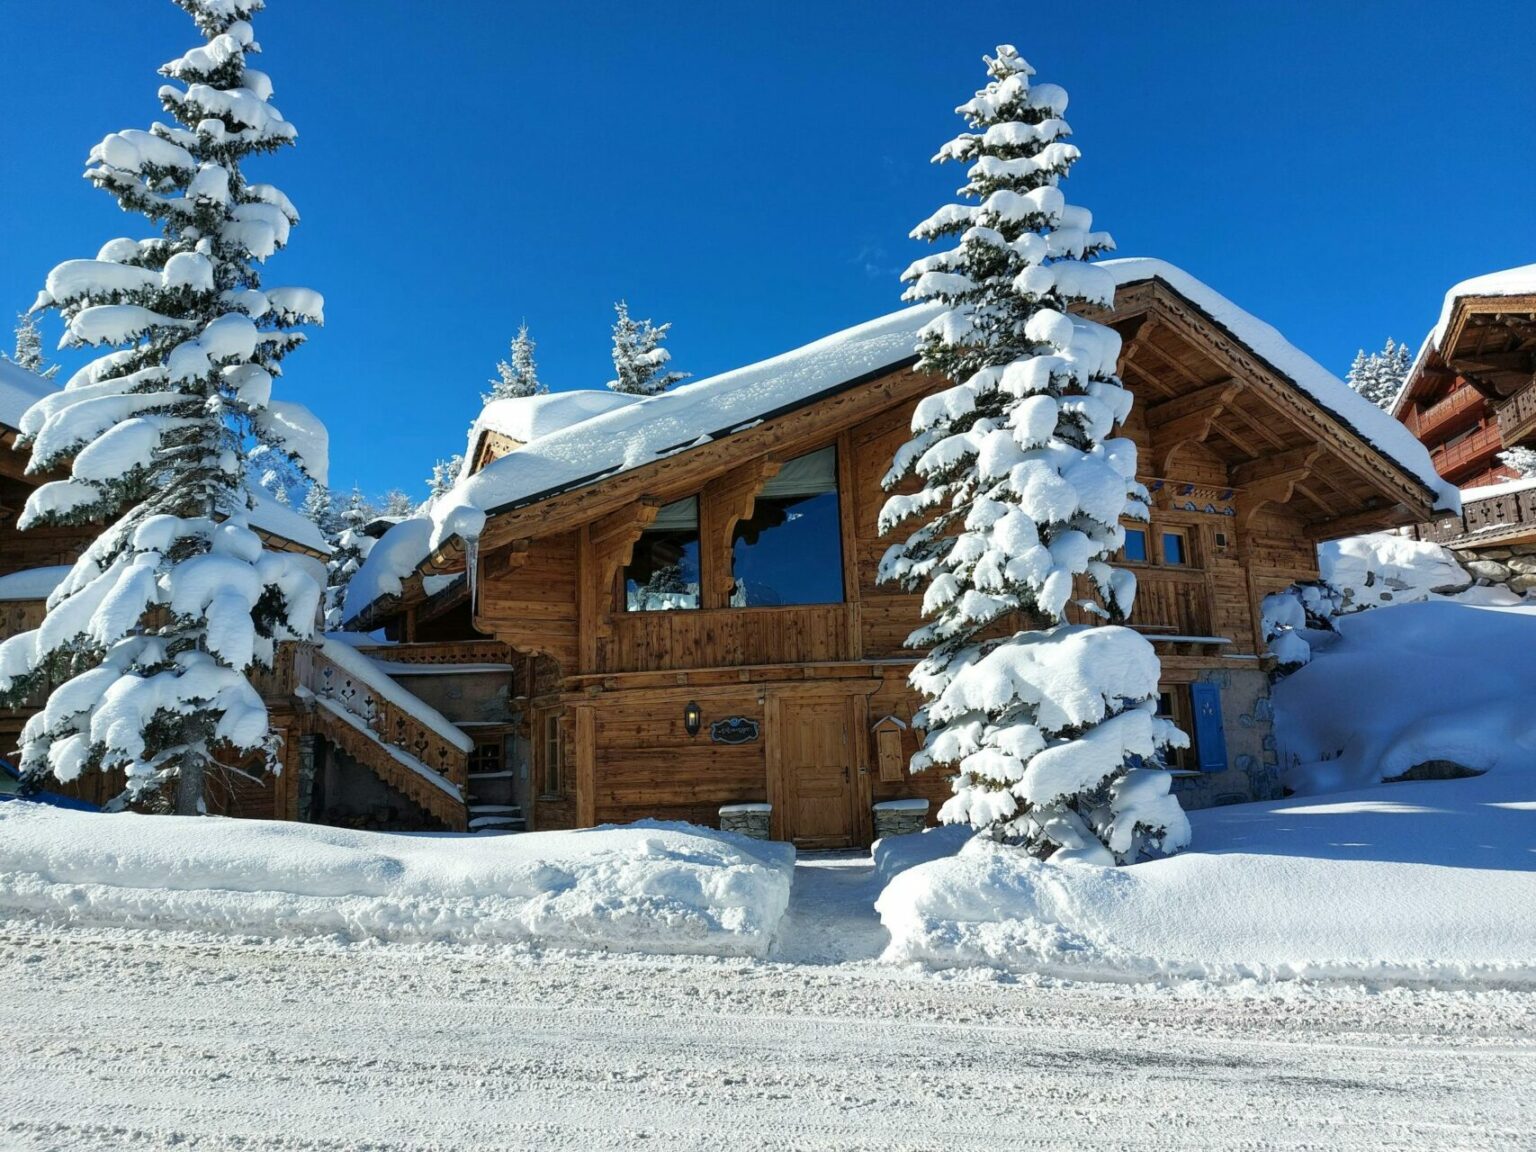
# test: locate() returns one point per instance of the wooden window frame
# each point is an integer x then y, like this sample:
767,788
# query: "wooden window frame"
1181,711
1144,527
549,757
1186,540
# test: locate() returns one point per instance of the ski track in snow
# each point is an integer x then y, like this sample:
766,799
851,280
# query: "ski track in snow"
113,1039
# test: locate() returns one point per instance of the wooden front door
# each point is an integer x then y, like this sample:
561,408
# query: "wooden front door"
818,771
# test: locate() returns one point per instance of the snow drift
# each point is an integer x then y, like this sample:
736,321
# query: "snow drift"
648,887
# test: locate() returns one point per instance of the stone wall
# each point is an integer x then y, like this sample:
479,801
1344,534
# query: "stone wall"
1511,566
1254,764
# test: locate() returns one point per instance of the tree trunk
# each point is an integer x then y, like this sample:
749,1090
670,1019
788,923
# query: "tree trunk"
189,787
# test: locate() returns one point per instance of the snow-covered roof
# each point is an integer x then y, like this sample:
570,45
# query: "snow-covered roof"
696,413
1488,491
525,418
19,390
33,583
272,517
1519,281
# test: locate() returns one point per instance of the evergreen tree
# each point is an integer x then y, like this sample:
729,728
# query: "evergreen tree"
520,376
319,508
444,474
1020,491
29,348
351,548
639,360
398,503
1379,376
149,639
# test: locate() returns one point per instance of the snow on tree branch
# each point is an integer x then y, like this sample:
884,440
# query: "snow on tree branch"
1017,489
150,638
1379,376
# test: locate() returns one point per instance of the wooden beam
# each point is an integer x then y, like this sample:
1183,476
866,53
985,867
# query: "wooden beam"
1298,461
609,545
1355,523
724,502
1216,396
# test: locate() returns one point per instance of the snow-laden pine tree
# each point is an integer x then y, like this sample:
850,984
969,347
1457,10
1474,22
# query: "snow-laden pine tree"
639,360
1379,376
319,508
1020,492
348,552
518,376
29,348
149,638
445,473
397,502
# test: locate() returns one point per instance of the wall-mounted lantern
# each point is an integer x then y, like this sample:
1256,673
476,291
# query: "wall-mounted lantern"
692,717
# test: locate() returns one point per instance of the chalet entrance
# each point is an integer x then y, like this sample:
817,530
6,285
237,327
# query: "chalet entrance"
813,770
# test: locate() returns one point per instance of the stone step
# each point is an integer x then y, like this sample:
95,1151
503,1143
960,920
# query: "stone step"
497,824
494,809
504,774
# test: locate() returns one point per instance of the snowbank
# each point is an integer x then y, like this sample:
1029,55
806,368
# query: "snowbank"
649,887
1428,880
1425,882
19,390
1384,568
1410,684
895,854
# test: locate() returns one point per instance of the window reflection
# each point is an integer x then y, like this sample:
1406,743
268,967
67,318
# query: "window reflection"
663,574
791,549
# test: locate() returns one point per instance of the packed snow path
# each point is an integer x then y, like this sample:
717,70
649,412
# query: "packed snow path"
117,1040
831,916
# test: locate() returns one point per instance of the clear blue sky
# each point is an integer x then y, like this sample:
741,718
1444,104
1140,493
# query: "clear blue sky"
750,172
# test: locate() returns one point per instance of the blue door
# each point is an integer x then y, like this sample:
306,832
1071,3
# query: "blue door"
1210,736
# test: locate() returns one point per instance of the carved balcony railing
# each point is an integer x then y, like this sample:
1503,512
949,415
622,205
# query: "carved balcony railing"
1462,407
1517,417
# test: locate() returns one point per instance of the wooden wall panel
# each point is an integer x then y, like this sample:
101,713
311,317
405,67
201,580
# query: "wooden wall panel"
532,606
727,638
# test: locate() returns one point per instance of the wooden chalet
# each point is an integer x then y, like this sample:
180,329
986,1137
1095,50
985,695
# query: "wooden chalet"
1470,395
356,747
682,594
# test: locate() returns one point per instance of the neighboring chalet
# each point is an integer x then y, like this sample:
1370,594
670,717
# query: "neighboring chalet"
356,748
675,597
1471,394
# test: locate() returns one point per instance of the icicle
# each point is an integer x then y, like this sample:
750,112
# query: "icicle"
471,564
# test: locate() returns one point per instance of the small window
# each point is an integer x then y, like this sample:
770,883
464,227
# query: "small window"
549,781
664,572
1175,549
1136,545
791,549
485,759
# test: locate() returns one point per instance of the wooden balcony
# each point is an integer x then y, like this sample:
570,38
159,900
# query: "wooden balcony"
1517,416
1502,517
1468,453
1460,409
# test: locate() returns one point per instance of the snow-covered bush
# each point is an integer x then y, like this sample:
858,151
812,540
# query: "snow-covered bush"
149,638
1020,491
1293,620
639,360
1385,568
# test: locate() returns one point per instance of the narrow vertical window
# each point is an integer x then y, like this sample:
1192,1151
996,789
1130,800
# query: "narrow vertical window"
1136,545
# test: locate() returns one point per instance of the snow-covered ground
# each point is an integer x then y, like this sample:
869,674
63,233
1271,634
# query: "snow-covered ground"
646,887
121,1040
1431,881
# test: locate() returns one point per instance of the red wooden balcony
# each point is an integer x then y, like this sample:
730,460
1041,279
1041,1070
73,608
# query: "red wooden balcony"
1460,409
1469,453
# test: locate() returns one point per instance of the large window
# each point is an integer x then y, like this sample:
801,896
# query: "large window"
791,550
664,572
